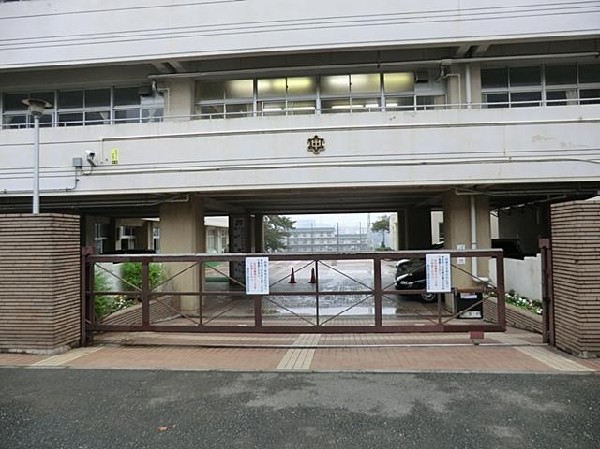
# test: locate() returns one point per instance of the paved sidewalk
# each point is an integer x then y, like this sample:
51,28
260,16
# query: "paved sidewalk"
513,351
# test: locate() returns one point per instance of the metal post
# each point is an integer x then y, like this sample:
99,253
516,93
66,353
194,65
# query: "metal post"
36,165
36,109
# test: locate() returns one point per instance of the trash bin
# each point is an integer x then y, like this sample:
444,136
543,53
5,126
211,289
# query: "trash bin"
464,300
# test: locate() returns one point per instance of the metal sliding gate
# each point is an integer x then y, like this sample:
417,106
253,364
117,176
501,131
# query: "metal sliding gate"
282,293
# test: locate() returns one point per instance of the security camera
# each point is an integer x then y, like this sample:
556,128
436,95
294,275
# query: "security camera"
90,156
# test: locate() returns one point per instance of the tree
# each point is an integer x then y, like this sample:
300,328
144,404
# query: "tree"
276,228
382,225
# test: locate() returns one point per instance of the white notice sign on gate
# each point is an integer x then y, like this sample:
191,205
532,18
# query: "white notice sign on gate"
439,279
257,275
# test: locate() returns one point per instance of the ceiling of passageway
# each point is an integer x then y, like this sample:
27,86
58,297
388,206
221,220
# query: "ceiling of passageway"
311,201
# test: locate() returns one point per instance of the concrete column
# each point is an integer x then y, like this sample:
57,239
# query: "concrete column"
182,231
240,241
181,100
141,236
457,233
414,228
258,241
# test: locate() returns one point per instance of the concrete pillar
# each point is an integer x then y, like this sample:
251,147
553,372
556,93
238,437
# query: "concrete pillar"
240,241
258,240
182,99
182,231
414,228
457,233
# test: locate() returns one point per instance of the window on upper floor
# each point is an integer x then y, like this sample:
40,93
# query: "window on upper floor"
76,107
547,85
360,92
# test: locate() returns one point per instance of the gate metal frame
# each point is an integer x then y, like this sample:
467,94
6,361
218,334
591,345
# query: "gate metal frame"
90,325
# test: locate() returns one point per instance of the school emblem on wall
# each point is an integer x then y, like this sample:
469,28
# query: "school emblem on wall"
316,144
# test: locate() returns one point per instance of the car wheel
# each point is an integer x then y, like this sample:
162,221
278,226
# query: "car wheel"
429,297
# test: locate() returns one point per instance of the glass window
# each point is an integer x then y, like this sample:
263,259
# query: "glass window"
127,96
14,121
238,110
14,102
239,89
127,116
212,111
269,88
71,99
496,100
589,73
97,118
525,76
556,98
525,99
97,98
590,96
561,74
272,107
366,84
301,107
491,78
401,82
335,85
400,102
211,90
70,118
302,85
342,105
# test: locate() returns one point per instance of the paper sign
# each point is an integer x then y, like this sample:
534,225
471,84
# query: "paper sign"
257,275
114,156
439,279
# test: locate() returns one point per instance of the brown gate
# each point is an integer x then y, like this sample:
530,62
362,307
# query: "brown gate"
301,293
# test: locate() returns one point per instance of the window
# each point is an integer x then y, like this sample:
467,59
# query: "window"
549,85
75,107
297,95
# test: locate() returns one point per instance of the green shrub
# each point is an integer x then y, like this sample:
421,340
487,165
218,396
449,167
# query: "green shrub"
131,272
102,304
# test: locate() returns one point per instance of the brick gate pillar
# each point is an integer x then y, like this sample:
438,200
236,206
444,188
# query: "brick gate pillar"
40,282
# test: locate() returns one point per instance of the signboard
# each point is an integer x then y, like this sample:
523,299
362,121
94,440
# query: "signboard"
257,275
439,278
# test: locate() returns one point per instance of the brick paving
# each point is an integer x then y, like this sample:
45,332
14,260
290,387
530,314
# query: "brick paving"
513,351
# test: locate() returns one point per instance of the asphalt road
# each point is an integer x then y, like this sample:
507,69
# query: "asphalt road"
60,408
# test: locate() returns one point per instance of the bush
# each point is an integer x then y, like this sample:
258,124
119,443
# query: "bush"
131,272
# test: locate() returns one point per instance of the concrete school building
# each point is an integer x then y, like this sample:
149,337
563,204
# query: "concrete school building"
179,110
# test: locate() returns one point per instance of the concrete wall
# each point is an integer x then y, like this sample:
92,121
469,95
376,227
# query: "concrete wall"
438,147
102,31
40,283
522,276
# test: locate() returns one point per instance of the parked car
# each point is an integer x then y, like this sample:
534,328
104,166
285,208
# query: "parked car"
411,275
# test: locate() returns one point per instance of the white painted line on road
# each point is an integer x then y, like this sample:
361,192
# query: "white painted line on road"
61,359
553,360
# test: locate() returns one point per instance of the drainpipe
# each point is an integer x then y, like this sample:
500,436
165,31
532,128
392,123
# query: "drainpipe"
473,237
468,85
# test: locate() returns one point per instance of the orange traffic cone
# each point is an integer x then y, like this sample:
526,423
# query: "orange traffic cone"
292,278
313,279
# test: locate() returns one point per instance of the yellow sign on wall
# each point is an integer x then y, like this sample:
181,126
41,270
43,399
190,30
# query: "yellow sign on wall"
114,156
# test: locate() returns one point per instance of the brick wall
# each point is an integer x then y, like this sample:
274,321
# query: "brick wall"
515,316
39,282
576,276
